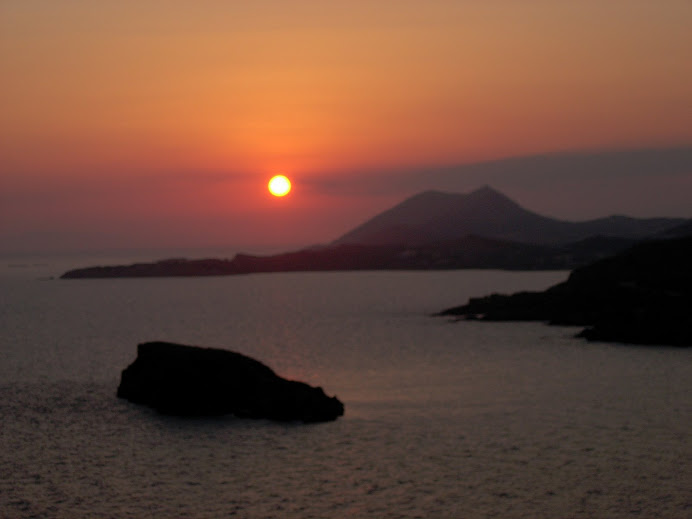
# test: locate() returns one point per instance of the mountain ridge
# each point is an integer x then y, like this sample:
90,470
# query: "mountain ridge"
434,230
436,216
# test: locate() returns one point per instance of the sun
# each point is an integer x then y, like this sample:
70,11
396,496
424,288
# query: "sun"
279,185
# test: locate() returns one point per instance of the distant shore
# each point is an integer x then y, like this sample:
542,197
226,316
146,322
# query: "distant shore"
471,252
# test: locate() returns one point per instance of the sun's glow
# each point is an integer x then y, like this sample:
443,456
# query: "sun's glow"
279,185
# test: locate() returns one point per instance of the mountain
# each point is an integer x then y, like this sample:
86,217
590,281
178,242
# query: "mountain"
434,230
434,216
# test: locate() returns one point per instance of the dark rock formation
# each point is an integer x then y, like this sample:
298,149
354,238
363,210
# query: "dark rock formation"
642,296
193,381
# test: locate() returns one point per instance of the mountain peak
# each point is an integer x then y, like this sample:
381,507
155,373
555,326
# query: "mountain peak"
485,189
488,193
484,194
437,216
430,194
431,215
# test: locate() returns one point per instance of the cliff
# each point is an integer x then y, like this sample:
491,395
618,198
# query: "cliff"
642,295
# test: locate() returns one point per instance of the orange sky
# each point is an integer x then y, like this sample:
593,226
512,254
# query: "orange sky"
162,120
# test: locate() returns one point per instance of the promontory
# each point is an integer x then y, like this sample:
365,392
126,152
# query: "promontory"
642,295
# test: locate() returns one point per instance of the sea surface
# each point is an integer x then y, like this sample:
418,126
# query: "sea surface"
443,419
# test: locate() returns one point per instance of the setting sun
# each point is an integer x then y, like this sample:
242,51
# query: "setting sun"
279,185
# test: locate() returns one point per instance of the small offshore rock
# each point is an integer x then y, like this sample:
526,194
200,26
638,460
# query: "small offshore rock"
186,380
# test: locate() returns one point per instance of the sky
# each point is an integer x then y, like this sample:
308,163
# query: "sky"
157,123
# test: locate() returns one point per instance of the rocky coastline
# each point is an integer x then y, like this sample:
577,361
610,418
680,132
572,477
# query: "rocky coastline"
642,295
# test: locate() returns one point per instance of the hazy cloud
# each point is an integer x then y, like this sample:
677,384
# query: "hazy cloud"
575,185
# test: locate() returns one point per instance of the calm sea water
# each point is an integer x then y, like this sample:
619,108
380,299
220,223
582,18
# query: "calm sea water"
443,420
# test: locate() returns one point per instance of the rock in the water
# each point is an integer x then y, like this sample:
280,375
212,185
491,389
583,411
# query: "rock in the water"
193,381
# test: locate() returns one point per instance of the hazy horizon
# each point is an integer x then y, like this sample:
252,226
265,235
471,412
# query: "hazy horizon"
138,126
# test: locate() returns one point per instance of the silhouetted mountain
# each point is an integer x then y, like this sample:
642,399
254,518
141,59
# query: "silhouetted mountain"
433,230
436,216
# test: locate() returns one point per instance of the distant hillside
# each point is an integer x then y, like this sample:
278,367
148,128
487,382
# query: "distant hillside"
433,230
679,231
433,216
468,252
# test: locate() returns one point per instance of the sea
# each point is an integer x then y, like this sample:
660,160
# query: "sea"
443,419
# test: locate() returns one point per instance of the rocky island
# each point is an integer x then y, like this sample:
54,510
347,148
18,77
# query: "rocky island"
642,295
192,381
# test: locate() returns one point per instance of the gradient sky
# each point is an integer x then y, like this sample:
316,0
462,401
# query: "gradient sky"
158,123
